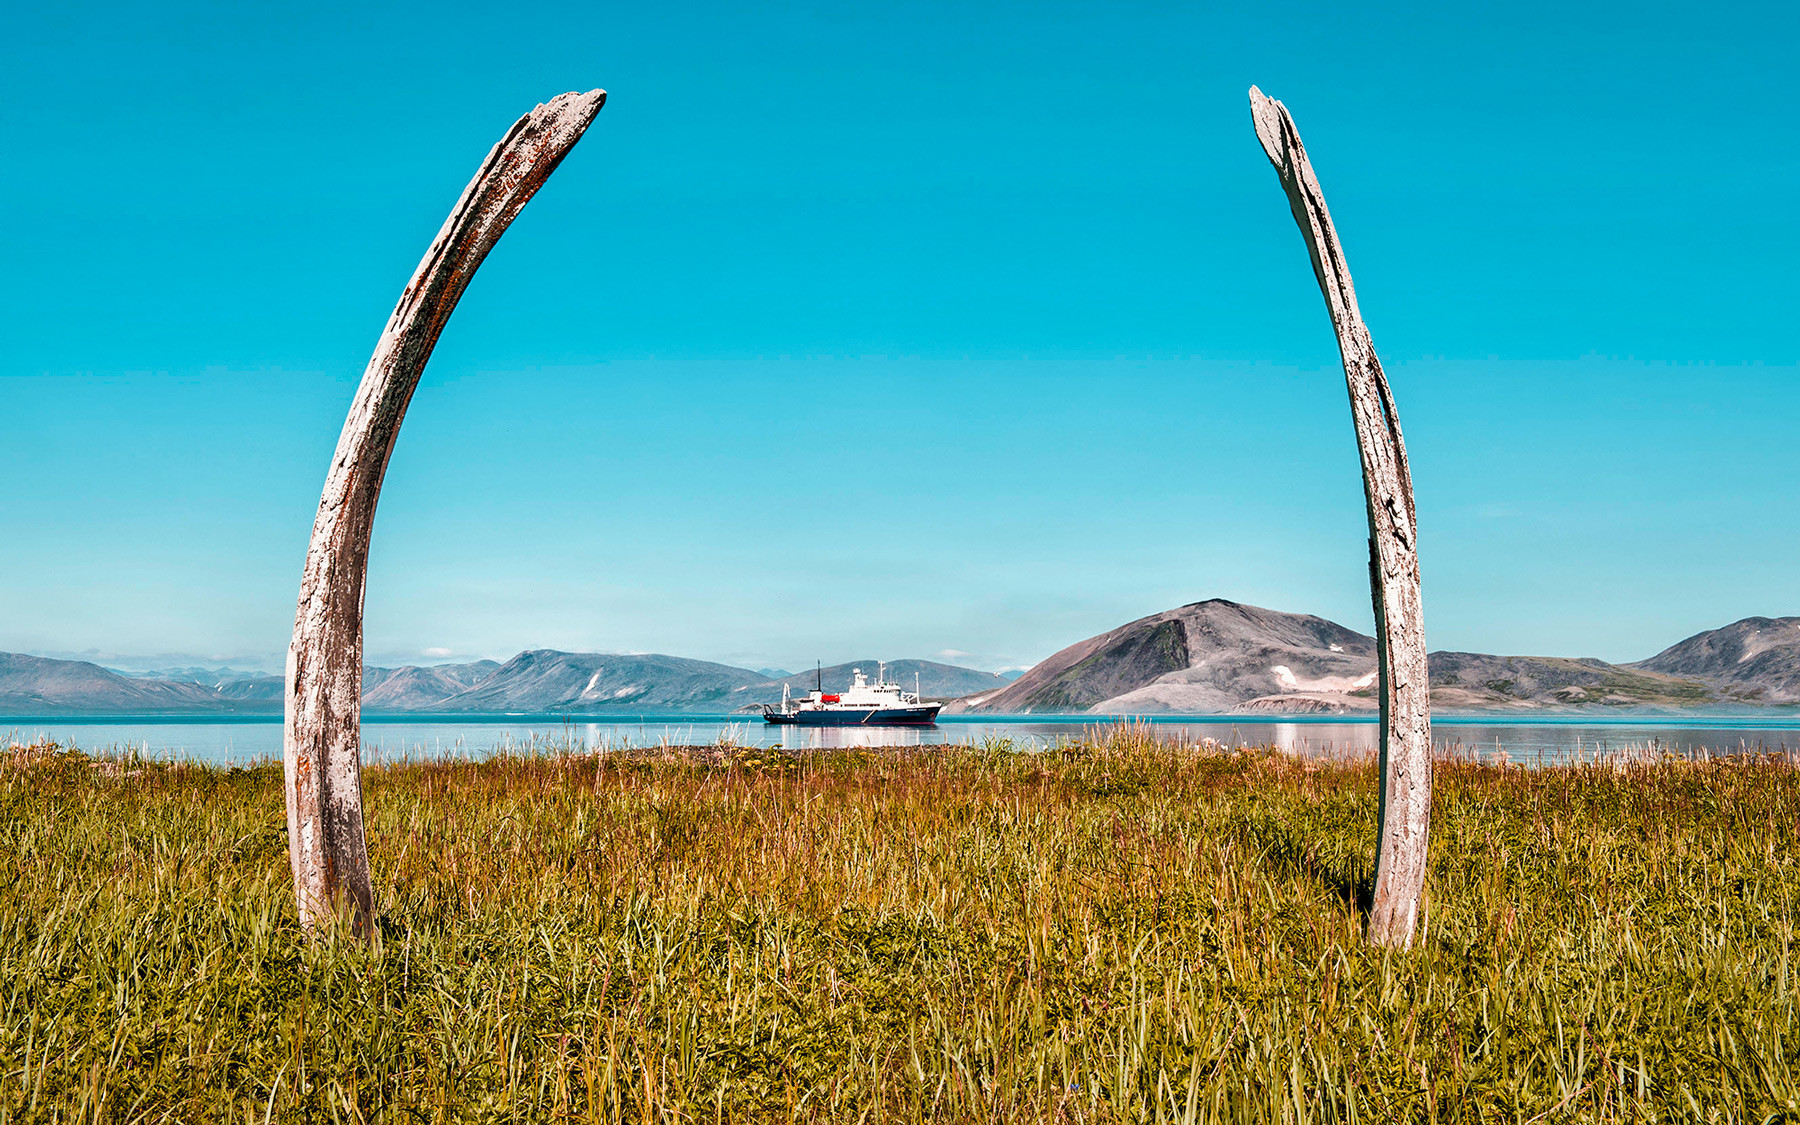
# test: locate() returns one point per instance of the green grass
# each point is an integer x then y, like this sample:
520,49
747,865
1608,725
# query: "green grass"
1122,931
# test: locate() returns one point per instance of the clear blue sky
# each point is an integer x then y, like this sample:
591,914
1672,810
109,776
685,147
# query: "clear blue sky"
899,329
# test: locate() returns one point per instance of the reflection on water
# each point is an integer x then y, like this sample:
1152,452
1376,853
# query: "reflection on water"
853,738
239,741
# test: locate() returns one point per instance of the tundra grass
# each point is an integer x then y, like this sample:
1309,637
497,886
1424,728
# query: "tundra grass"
1118,931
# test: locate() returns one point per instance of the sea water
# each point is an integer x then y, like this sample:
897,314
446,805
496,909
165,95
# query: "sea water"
245,740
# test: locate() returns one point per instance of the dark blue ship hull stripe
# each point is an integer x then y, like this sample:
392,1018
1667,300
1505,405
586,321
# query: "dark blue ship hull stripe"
881,717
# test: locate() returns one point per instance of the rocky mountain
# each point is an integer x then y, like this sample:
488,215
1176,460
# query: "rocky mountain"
1207,658
232,685
257,689
1756,660
544,681
1468,681
1219,657
596,683
39,685
192,673
1212,657
420,688
535,682
934,680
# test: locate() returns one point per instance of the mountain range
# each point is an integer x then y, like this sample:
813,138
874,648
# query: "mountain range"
1211,657
540,681
1220,657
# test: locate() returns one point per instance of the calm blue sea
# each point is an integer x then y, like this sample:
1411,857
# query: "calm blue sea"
244,740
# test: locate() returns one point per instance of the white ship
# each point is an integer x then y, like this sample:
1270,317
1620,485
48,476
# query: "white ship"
878,704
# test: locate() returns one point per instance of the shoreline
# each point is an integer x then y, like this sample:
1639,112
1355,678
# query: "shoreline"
1785,713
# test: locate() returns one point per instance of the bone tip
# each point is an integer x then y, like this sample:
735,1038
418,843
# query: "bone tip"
1265,114
589,103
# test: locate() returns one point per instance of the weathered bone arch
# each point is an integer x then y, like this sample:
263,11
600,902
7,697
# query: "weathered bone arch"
321,749
321,744
1404,825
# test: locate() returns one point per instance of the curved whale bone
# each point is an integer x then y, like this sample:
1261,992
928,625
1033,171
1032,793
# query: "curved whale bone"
321,748
1404,826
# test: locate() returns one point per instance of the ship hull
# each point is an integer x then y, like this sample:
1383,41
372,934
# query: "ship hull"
922,716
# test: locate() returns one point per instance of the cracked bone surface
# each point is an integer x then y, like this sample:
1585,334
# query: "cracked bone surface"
321,749
1404,826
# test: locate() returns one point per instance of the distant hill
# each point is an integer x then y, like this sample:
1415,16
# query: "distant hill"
1756,660
1220,657
584,682
538,682
39,685
545,681
1208,658
1211,657
934,680
193,674
1465,681
257,689
415,688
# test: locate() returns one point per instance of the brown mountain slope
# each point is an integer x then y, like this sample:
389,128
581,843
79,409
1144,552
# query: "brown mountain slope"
934,680
546,681
421,687
1475,681
1756,660
39,685
1206,657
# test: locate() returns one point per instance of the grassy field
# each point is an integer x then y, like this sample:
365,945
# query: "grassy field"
1123,930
